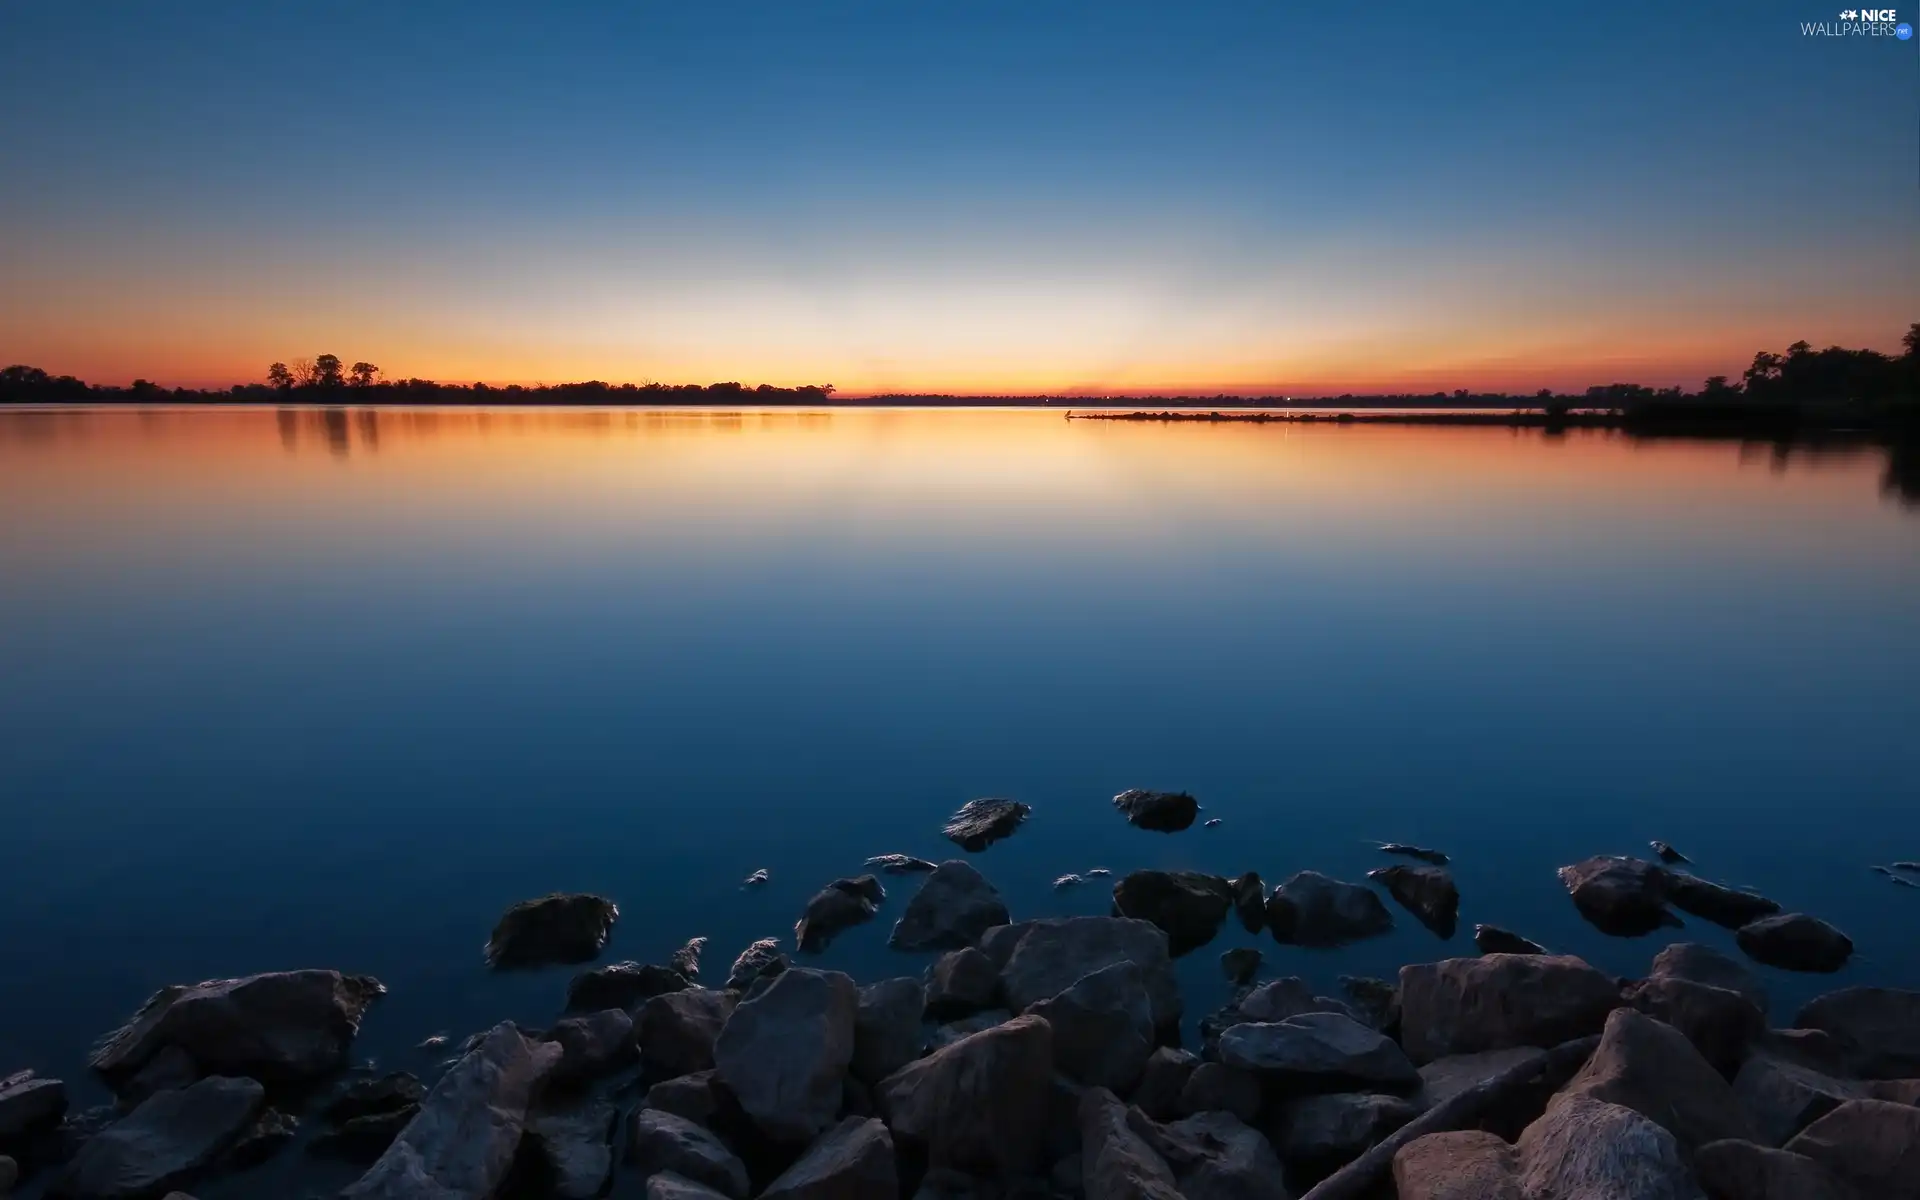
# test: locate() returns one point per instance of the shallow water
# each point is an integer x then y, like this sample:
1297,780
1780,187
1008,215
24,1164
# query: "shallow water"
300,688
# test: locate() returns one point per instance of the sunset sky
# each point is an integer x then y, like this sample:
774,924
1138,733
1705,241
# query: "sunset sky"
953,195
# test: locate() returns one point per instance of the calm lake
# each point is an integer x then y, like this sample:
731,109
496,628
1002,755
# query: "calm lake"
333,688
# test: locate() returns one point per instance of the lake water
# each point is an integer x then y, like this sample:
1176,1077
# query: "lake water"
333,688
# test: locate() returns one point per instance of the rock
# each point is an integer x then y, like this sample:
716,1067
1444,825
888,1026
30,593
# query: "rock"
1796,942
1434,857
462,1143
1625,897
1704,964
1041,959
686,960
1275,1000
269,1134
1743,1171
362,1140
1899,1091
1067,881
1166,1073
659,1141
1587,1149
623,985
756,879
665,1185
1654,1070
759,960
899,864
1444,1078
1098,873
1426,892
1216,1087
1187,906
374,1094
1318,1049
960,983
1467,1164
942,1183
1780,1098
696,1097
577,1145
1214,822
1375,1001
1102,1027
1872,1144
1311,909
1332,1130
1116,1163
966,1027
1877,1029
836,908
170,1069
852,1161
783,1052
1215,1156
980,823
1491,939
1240,965
1250,901
169,1139
1666,853
1162,812
283,1027
564,927
1466,1005
1721,1024
592,1046
1713,902
28,1105
676,1031
887,1032
979,1105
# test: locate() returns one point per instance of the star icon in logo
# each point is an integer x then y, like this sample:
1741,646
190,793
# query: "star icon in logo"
1848,15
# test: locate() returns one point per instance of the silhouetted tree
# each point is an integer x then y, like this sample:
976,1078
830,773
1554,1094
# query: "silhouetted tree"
364,374
327,372
278,376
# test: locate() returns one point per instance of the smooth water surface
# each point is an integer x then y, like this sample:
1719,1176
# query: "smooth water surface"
333,688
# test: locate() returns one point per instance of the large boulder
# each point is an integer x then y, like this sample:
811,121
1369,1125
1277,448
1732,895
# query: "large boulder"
1331,1130
462,1142
1722,905
592,1045
1721,1024
835,909
661,1142
960,983
1780,1097
1041,959
1162,812
565,927
1587,1149
171,1137
1318,1050
979,1105
1102,1027
1312,909
980,823
287,1026
1703,964
577,1145
1873,1144
1187,905
1877,1029
1653,1069
1116,1163
954,907
887,1031
1743,1171
624,985
852,1161
1466,1005
676,1030
784,1051
1467,1164
28,1105
1796,942
1215,1156
1429,893
1625,897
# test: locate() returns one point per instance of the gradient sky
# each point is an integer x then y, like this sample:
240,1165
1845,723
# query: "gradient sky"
953,195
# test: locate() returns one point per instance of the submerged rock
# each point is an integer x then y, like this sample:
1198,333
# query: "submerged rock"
686,960
1711,901
899,864
1877,1030
1625,897
1213,822
1491,939
1428,893
1162,812
1187,905
1311,909
783,1052
953,908
756,879
979,1105
1467,1005
1041,959
761,958
565,927
1240,965
625,985
1434,857
1796,942
170,1138
980,823
836,908
1250,901
1067,881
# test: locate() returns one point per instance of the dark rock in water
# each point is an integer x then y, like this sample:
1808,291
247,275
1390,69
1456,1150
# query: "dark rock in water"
1738,1170
1067,881
1312,909
900,864
1703,964
74,1131
1426,892
29,1105
852,1161
1116,1163
270,1133
761,958
1913,867
170,1138
1721,1024
962,982
686,960
1491,939
1796,942
1876,1030
1723,906
1332,1130
1098,873
565,927
167,1070
1467,1005
1667,854
1187,905
887,1032
1780,1098
953,908
1587,1149
1625,897
1420,852
1375,1001
1240,965
980,823
979,1105
1318,1050
364,1096
676,1031
1166,1073
1649,1067
756,879
660,1142
1103,1027
625,985
591,1046
1250,901
836,908
1467,1164
362,1140
577,1145
1872,1144
1216,1087
1162,812
784,1052
1213,822
1041,959
283,1027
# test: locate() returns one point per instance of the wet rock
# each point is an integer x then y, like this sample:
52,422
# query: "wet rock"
953,908
1444,1078
1187,906
1780,1098
899,864
960,983
1215,1156
1102,1027
1116,1163
756,879
1466,1005
1871,1144
1796,942
1491,939
1374,1001
980,823
852,1161
1162,812
1721,1024
269,1134
696,1097
1041,959
1318,1050
1713,902
887,1033
1250,901
1166,1073
1467,1164
1332,1130
1216,1087
1876,1029
172,1137
1214,822
374,1094
29,1105
1434,857
362,1140
1426,892
1704,964
1067,881
661,1142
676,1031
565,927
282,1027
686,960
577,1145
953,1031
835,909
1667,854
168,1070
1240,965
1743,1171
1654,1070
759,960
979,1105
1587,1149
1098,873
1312,909
592,1046
1625,897
783,1052
665,1185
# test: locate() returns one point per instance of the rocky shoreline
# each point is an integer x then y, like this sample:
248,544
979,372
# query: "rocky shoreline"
1042,1058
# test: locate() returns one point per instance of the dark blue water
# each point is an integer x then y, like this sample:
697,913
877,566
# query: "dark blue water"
312,689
